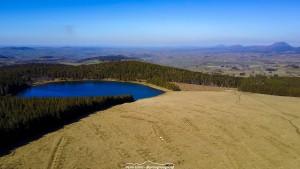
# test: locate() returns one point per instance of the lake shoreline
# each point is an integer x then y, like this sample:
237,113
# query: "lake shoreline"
139,90
143,82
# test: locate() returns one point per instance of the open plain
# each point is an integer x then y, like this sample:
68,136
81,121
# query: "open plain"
192,129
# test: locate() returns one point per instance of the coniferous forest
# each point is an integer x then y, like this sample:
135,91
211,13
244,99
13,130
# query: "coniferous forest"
275,85
23,116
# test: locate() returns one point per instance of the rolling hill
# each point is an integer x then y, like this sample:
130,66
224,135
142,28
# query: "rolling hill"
107,58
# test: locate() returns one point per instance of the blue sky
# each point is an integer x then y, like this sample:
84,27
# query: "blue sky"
149,22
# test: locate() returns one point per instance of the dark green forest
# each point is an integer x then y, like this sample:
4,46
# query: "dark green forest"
22,117
275,85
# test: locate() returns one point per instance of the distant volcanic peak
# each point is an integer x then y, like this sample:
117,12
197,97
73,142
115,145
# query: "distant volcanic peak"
280,44
281,47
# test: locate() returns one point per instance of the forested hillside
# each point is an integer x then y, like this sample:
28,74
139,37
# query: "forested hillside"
16,78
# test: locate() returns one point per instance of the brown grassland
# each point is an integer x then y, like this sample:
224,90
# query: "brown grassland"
200,128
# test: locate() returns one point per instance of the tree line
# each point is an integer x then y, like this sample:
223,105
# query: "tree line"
275,85
15,78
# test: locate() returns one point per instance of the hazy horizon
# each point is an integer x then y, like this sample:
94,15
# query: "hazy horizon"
132,23
135,46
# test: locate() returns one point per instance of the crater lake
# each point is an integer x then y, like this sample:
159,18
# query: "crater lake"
88,89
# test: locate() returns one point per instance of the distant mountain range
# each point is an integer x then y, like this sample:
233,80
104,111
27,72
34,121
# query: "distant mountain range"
19,48
3,57
278,47
112,54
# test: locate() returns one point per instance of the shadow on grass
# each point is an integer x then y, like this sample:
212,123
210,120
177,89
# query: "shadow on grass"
7,148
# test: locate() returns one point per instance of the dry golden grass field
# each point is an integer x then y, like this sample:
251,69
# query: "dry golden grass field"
215,129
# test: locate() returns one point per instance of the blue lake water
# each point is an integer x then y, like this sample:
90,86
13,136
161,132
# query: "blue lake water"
90,88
